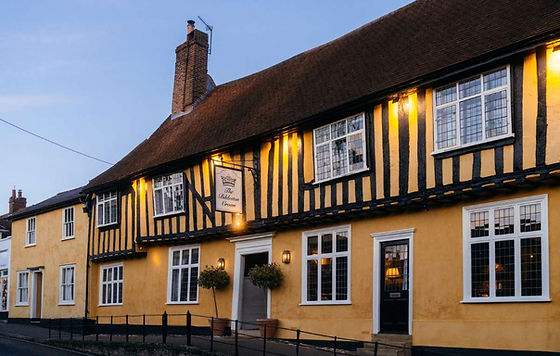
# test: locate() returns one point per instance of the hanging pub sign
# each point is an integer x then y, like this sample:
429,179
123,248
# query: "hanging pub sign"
229,189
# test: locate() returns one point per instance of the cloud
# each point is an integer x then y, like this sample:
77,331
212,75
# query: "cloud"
18,102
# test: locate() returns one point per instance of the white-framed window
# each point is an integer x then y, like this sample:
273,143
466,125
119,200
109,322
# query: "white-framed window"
326,266
107,211
168,194
67,284
340,148
505,251
182,281
22,295
30,239
111,284
68,223
473,110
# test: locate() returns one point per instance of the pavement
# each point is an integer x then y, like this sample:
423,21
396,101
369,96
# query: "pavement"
24,339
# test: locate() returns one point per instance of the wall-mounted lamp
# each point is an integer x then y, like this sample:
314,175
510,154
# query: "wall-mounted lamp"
221,263
286,256
238,221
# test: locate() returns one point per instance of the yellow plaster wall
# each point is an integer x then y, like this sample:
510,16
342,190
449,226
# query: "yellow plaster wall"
50,251
439,317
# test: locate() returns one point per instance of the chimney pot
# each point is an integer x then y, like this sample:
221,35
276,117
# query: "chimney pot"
13,193
190,26
19,193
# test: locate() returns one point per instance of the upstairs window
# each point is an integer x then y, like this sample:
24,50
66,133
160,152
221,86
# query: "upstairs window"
68,223
168,194
473,110
30,232
107,209
340,148
506,251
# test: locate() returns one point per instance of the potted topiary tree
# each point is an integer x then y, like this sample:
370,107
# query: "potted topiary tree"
266,277
215,279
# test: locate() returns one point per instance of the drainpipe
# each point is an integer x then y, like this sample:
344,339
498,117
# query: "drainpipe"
87,209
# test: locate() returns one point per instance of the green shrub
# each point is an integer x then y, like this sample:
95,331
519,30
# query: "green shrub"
213,278
266,276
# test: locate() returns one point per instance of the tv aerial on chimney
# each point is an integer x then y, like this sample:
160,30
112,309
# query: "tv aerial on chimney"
209,28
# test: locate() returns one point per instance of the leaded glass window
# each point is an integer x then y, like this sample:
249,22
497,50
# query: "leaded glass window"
326,264
340,148
184,267
168,194
107,208
472,111
505,258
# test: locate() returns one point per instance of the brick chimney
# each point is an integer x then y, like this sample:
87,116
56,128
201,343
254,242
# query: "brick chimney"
191,70
17,203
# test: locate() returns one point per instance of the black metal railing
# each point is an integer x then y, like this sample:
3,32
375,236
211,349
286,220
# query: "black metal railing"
239,337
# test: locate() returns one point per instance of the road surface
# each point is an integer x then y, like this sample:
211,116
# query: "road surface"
11,346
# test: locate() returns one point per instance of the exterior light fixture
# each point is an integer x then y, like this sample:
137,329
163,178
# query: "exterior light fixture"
238,222
221,263
286,256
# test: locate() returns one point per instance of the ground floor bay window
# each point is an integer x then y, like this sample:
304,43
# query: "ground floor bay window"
505,253
326,266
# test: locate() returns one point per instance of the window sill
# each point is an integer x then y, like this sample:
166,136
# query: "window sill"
182,303
108,226
22,305
32,245
110,305
65,304
339,178
476,146
68,238
169,214
342,302
507,300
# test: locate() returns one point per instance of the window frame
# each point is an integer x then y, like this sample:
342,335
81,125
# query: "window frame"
172,185
101,283
28,231
170,268
482,94
65,223
492,239
106,201
305,258
364,145
19,288
61,300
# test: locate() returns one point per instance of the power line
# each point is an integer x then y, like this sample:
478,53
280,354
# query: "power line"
55,143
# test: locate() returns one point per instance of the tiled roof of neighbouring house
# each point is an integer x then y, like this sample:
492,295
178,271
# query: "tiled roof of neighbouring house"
61,199
418,40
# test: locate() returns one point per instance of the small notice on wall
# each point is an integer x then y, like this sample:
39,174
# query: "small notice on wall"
229,191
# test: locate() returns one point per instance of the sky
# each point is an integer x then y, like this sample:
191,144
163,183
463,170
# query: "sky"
97,75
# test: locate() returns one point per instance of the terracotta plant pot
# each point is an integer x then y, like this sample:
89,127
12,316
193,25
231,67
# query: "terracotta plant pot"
270,325
219,327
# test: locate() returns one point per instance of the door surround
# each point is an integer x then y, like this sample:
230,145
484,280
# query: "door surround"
378,238
246,245
33,293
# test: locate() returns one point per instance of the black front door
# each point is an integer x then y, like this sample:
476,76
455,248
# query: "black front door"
394,287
